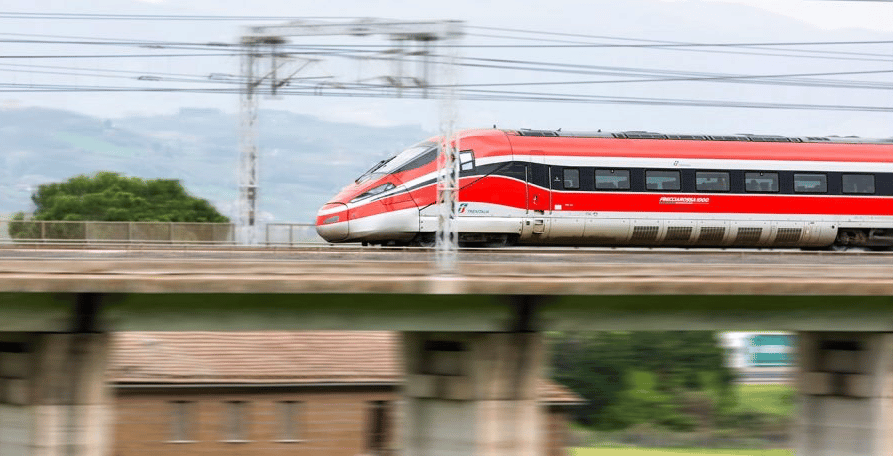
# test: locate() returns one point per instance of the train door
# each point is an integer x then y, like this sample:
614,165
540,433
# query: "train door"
567,220
539,196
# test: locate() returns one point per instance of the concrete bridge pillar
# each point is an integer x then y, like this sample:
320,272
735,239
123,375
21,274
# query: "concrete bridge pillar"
472,394
53,396
846,394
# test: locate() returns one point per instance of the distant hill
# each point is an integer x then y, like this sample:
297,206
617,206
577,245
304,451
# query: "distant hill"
304,160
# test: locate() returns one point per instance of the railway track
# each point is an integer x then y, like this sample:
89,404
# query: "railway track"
514,255
518,270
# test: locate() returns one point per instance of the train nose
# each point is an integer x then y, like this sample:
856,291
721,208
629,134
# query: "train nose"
332,222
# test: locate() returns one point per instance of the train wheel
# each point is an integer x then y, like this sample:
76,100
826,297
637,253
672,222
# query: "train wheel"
502,240
423,240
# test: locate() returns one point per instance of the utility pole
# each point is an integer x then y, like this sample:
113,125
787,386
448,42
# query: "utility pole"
264,42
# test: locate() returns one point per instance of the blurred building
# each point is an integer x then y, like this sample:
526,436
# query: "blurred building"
271,393
761,357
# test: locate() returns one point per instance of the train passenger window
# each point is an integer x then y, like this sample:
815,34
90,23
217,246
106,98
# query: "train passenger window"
612,179
761,182
571,178
810,183
712,181
513,169
466,160
662,180
858,183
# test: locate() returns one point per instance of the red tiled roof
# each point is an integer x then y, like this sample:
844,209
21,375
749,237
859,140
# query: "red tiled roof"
269,357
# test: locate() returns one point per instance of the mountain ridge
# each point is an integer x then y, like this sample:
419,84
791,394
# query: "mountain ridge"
303,159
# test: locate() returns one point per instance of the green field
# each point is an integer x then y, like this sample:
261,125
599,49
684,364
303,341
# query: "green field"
673,452
769,399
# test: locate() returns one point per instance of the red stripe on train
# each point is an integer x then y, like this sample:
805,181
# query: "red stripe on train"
512,193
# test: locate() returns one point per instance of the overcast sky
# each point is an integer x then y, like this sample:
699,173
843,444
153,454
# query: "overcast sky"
764,24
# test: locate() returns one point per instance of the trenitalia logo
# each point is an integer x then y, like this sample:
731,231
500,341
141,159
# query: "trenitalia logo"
684,200
463,209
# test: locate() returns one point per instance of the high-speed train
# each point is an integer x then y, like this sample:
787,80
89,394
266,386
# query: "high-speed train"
629,189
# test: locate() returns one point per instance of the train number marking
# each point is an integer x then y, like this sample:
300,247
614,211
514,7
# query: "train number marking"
684,200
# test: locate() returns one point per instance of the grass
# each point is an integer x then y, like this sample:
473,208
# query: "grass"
759,419
673,452
768,399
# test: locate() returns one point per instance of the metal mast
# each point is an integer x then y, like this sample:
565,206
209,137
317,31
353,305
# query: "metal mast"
254,48
446,243
263,41
248,147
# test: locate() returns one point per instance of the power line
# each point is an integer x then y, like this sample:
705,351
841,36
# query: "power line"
110,56
630,75
382,91
545,40
154,17
653,45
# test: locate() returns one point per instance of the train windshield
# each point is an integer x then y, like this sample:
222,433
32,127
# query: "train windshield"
410,158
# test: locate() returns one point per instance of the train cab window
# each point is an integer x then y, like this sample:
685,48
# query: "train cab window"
761,182
571,178
466,160
662,180
612,179
858,183
810,183
414,157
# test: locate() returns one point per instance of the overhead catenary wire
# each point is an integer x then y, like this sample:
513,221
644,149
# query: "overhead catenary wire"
634,76
516,39
507,64
472,95
643,74
771,47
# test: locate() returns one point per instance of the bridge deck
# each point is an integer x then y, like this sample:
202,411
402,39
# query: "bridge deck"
550,271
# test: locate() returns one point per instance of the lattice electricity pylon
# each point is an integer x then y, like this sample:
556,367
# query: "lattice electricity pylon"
265,42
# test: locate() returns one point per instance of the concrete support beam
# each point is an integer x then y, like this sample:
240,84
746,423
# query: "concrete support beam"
472,394
846,394
53,397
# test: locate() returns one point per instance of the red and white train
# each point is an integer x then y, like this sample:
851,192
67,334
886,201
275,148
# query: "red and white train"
629,189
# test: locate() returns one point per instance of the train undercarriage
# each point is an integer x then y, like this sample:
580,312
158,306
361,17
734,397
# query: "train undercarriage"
846,239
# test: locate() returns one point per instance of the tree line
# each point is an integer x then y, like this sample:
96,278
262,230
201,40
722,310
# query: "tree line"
109,197
673,379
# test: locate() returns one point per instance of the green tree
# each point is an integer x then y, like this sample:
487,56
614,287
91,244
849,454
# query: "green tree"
592,365
107,196
633,377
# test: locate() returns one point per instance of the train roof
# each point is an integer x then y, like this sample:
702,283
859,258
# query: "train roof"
744,137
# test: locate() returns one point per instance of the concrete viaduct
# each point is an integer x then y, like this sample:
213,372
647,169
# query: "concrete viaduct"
472,340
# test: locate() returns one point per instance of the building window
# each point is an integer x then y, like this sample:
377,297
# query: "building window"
858,183
612,179
662,180
712,181
290,422
571,178
182,421
810,183
379,428
235,423
761,182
